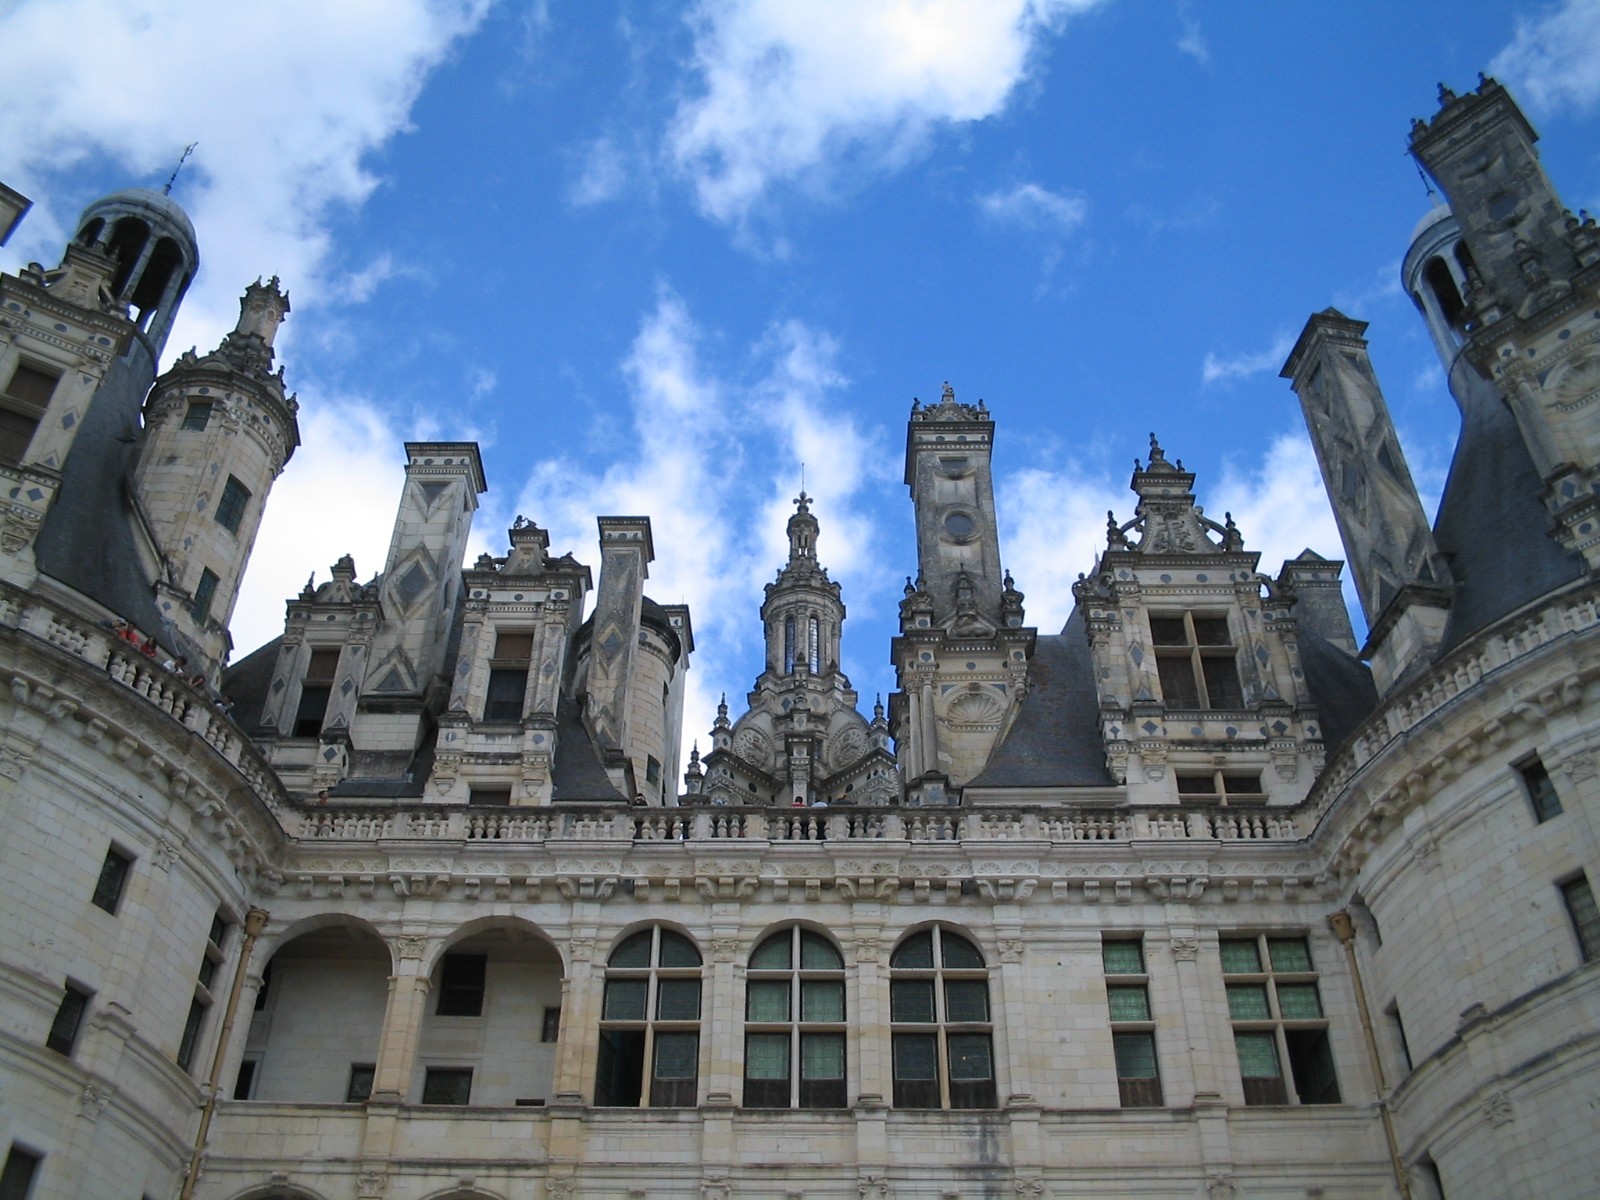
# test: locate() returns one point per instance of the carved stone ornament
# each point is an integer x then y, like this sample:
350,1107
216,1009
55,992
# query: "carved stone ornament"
1030,1187
873,1187
93,1099
716,1189
1184,949
1010,950
724,949
868,947
166,853
1497,1109
1580,766
560,1189
582,949
371,1184
1220,1187
412,945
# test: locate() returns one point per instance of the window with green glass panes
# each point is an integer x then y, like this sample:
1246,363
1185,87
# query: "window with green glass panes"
650,1016
788,1012
938,980
1133,1038
1275,1003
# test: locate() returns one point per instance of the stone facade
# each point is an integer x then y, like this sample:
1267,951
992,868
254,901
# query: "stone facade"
1181,901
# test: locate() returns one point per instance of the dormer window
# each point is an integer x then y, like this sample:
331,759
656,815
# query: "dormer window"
315,692
1220,787
1196,661
508,676
22,406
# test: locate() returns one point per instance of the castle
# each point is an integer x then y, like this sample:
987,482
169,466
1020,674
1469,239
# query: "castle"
1195,897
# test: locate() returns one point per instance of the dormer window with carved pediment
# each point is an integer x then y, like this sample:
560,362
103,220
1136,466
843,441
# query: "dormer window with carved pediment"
508,675
1196,661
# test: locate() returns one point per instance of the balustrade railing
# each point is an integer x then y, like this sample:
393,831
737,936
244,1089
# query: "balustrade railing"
568,823
142,675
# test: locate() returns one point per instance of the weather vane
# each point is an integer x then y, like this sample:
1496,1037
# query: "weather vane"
187,150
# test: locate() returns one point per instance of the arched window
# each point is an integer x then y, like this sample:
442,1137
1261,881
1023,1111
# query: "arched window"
650,1014
813,647
943,1039
788,645
794,1023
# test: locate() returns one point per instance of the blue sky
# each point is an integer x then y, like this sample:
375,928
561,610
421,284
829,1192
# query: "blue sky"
654,256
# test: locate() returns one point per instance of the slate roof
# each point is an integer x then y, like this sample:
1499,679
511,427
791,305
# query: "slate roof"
1493,525
87,538
576,773
1340,685
1055,740
246,683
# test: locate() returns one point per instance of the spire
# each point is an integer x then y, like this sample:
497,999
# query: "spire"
803,530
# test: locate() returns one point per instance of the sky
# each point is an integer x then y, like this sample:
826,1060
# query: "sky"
662,258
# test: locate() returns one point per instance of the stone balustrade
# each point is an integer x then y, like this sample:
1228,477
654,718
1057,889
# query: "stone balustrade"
598,823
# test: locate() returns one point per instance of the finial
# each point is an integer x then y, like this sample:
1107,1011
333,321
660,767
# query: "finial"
1446,96
949,394
1156,454
916,405
173,178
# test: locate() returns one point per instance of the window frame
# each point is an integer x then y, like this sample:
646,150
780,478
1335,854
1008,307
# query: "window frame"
316,691
21,1172
434,1077
508,674
465,994
1195,654
913,1092
196,416
23,408
232,505
205,594
1132,1091
107,896
1585,924
1540,789
1290,1037
67,1024
1225,790
645,1036
823,1092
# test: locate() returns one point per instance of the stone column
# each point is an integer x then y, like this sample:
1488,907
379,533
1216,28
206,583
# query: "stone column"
721,1017
1010,1015
581,993
869,1012
402,1024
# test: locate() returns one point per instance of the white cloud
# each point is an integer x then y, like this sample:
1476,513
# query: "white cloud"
285,100
338,495
1192,42
1035,207
792,88
1279,503
1216,369
1553,61
1052,526
603,176
719,498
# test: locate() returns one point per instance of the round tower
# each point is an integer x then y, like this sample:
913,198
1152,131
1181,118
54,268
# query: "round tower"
802,612
218,430
1435,274
153,244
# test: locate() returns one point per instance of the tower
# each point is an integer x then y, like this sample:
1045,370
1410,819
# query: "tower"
152,242
403,682
1403,581
1531,270
802,740
218,430
961,657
